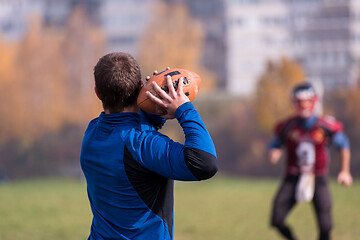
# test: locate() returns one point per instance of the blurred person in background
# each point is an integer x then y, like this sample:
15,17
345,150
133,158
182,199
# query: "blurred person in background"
129,166
306,138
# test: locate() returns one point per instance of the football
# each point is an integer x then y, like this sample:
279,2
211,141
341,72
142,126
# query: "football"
191,87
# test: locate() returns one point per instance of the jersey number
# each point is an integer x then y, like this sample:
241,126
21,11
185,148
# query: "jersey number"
306,154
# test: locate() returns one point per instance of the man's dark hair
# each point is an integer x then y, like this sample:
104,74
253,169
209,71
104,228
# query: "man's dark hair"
117,80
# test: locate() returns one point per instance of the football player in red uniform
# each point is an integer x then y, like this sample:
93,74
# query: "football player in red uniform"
306,138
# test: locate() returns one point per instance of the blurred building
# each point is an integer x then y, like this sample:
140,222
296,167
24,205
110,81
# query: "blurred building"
325,36
15,15
212,15
124,23
257,31
355,41
240,35
322,35
57,12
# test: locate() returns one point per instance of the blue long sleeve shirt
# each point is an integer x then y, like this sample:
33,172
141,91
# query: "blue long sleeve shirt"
129,168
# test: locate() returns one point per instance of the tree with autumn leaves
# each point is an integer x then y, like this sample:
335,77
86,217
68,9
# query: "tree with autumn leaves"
46,83
272,97
46,78
174,39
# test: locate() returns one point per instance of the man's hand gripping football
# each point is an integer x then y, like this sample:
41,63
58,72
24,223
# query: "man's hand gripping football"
169,101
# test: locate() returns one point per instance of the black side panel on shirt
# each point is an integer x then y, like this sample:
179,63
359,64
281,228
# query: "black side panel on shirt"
156,191
202,165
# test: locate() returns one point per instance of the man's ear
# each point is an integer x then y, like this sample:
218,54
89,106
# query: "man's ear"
97,93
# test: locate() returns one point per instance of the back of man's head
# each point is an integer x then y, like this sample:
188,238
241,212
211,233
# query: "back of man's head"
117,81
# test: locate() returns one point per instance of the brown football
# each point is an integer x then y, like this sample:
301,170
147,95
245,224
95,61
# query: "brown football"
191,82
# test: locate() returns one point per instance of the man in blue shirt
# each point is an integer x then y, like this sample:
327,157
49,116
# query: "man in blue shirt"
129,166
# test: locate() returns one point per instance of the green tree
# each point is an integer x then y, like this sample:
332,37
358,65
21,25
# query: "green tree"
272,100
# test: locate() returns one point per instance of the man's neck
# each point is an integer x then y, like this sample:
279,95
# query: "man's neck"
308,123
133,109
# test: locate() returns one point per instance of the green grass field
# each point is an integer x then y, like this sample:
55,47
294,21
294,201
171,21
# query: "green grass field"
221,208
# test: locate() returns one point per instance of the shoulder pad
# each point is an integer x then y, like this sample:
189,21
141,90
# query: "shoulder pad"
331,123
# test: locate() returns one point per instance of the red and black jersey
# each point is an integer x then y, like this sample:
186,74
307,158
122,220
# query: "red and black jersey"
306,142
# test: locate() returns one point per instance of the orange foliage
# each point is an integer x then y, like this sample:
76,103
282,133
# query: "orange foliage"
80,51
176,40
273,92
352,109
8,83
39,91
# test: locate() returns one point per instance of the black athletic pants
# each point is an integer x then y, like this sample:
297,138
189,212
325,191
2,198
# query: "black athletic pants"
285,201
